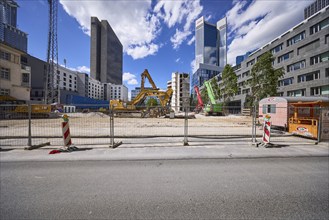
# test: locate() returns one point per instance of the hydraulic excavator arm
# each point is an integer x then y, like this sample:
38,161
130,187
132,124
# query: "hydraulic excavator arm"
147,75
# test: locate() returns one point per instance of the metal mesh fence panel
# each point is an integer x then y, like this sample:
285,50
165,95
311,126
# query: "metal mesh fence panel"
13,125
90,125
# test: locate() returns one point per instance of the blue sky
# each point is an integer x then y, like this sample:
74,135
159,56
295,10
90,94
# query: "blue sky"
156,35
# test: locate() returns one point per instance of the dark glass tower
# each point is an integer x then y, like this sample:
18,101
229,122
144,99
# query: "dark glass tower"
106,53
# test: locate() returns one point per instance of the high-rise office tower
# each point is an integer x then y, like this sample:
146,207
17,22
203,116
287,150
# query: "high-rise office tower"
106,53
9,33
315,7
210,50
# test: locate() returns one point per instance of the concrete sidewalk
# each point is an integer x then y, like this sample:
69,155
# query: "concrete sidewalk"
171,149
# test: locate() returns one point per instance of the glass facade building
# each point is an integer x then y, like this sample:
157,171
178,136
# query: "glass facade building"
9,33
210,50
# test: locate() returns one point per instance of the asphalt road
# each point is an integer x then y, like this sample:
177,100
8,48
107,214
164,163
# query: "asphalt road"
290,188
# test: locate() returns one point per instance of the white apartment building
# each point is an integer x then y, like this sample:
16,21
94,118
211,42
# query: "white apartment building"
15,76
116,92
180,84
95,89
67,79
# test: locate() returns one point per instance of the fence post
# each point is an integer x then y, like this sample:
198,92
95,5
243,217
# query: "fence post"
112,143
254,125
29,140
186,127
319,126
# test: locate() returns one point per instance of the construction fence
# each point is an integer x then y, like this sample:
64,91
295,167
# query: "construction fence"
24,125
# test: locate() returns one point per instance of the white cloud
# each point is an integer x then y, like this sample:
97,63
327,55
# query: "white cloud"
190,42
129,78
179,12
178,38
81,69
193,66
137,52
177,60
132,21
259,23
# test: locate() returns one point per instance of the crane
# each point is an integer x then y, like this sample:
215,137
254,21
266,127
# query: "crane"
200,105
51,82
213,107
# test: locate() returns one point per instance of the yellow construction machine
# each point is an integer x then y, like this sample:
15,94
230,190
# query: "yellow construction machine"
13,108
137,105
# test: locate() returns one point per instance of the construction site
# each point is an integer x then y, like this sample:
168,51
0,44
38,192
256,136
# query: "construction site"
150,115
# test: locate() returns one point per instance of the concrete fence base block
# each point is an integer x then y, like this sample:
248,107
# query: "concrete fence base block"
37,146
115,145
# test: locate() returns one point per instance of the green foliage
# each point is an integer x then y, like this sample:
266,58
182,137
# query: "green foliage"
151,102
264,79
215,87
204,95
229,83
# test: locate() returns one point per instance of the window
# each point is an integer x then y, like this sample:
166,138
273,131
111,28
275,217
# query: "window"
25,78
276,49
4,91
315,91
245,91
286,82
319,26
327,72
245,74
5,73
64,74
319,58
308,77
5,56
269,108
296,38
285,57
70,76
251,62
299,92
326,40
323,90
296,66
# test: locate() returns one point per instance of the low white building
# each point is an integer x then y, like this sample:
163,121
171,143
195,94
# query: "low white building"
116,92
95,89
67,79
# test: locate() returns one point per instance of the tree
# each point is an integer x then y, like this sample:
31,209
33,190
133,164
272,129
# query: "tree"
151,102
264,79
229,84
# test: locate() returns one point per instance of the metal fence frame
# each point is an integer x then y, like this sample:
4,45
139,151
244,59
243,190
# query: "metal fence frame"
186,135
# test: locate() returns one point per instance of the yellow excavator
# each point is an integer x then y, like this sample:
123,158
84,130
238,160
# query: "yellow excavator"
136,105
